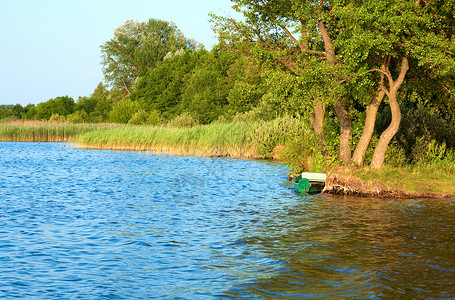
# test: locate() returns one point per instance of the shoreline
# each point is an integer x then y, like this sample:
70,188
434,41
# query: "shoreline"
340,181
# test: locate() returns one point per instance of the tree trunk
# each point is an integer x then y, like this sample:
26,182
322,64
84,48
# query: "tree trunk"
346,132
389,133
370,121
317,119
342,114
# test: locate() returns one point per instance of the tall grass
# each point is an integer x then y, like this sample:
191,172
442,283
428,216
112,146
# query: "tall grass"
236,139
230,139
42,131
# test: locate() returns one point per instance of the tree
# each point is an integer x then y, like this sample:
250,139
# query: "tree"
395,38
334,53
208,86
137,47
123,111
292,38
162,87
62,106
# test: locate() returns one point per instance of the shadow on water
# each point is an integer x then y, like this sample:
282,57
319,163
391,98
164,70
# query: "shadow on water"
332,246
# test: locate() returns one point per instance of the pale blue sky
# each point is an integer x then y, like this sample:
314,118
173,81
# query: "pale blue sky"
51,48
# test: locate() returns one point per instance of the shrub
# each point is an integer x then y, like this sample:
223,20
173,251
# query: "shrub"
123,111
57,118
183,120
140,117
79,116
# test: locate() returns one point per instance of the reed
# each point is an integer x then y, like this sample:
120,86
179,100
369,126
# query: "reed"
234,139
230,139
42,131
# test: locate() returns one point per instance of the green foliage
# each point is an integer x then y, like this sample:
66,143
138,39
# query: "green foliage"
140,117
57,118
162,87
268,135
207,88
87,104
102,110
183,120
123,111
264,111
79,116
420,125
137,47
154,118
62,106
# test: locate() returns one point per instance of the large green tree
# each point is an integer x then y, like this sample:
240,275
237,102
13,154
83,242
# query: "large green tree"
137,47
334,53
161,89
61,106
292,39
398,40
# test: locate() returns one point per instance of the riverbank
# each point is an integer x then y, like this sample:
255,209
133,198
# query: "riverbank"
391,183
242,140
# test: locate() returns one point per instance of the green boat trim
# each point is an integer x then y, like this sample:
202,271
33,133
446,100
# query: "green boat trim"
309,183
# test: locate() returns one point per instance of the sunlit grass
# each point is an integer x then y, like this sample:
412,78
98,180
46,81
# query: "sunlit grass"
234,139
42,131
418,180
230,139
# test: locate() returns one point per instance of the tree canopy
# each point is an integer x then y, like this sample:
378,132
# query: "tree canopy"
335,54
137,47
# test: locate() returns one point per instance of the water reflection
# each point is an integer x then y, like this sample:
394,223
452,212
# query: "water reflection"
329,246
107,224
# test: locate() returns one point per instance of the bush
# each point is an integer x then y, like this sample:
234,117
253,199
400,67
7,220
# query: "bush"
79,116
123,111
140,117
268,135
57,118
183,120
154,118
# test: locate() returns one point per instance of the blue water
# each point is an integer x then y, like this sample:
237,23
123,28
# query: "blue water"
93,224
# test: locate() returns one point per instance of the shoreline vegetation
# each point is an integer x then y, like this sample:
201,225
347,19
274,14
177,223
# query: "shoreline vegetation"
323,95
250,140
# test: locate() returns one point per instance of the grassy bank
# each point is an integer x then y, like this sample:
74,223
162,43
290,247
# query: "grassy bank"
431,181
232,139
286,139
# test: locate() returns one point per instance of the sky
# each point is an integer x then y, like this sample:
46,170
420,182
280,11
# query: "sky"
51,48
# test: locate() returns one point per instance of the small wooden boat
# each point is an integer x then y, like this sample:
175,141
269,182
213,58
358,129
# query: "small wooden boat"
309,183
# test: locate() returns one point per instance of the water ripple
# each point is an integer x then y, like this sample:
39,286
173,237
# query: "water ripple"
88,224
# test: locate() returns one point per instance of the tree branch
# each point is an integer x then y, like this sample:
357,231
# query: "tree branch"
404,69
330,52
386,73
302,46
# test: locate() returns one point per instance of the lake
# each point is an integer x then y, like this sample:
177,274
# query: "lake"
94,224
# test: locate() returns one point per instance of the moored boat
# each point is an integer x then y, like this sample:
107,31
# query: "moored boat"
309,183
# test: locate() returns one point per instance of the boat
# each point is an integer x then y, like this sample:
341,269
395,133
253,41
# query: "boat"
309,183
